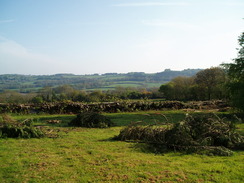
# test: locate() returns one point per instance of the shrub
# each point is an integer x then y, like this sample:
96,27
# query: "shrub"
91,120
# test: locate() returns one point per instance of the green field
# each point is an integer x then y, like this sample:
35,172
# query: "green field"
89,155
107,81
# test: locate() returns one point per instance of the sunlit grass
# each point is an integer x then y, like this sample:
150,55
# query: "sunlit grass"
89,155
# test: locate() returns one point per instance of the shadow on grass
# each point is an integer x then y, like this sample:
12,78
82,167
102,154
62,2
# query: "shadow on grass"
150,148
53,121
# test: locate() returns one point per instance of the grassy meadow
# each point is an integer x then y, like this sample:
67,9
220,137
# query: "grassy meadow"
89,155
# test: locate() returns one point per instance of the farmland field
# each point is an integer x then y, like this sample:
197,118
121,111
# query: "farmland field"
28,83
89,155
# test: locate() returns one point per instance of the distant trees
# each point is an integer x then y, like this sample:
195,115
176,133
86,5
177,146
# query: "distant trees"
205,85
31,83
178,88
68,93
59,93
210,82
133,93
15,97
235,73
167,91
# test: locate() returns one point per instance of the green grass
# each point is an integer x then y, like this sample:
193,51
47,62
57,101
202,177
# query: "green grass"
88,155
124,85
132,84
149,117
135,84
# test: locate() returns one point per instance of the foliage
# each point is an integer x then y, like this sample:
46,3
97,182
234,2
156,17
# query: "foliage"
197,133
235,73
13,129
91,120
69,93
210,82
205,85
15,97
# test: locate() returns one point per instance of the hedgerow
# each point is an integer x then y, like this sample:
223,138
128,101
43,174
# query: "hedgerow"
111,107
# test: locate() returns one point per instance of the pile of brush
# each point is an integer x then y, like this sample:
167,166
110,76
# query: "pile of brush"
10,128
198,133
91,120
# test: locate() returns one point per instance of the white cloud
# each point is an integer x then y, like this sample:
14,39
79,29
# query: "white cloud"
150,4
162,23
15,58
12,49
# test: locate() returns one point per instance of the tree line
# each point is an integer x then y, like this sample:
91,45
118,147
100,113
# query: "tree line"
207,84
69,93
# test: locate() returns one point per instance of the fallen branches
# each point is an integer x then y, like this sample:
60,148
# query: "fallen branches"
199,133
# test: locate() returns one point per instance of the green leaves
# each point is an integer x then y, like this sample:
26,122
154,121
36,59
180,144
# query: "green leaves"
235,72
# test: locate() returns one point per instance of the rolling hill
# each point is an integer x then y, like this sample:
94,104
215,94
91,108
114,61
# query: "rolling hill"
107,81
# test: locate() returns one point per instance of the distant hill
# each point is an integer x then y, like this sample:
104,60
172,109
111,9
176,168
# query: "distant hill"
107,81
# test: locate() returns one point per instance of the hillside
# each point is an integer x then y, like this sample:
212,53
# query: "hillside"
107,81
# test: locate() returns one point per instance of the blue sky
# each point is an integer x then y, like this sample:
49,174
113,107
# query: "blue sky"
100,36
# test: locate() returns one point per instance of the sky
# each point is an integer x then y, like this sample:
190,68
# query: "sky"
44,37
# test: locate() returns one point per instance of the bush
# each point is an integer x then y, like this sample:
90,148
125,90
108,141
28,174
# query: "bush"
91,120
